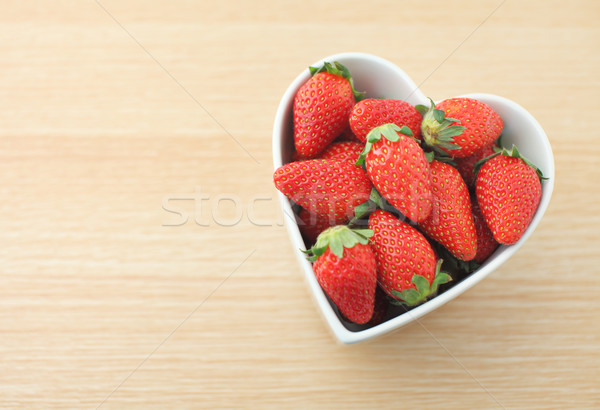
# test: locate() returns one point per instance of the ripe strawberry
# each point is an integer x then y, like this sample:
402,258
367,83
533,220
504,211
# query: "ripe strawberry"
508,190
451,221
399,170
466,165
479,126
486,244
345,267
328,188
406,266
343,151
370,113
311,225
322,107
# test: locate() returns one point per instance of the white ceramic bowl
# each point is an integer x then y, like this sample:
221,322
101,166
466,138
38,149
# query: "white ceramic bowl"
382,79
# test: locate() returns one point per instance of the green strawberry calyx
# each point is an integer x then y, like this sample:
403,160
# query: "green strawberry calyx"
389,131
423,291
375,201
513,152
336,239
341,70
438,130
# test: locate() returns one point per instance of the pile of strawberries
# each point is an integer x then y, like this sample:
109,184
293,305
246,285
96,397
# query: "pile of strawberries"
397,200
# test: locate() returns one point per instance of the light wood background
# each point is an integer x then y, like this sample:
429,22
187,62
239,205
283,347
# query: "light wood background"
113,113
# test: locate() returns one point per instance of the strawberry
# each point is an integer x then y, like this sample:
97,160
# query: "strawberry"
486,244
451,221
322,107
466,165
479,126
370,113
327,188
399,170
380,308
346,269
311,225
406,266
343,151
508,190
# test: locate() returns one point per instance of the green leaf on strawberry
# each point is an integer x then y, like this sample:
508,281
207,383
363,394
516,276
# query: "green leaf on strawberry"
513,152
439,115
337,239
375,201
389,131
362,210
378,199
438,130
422,109
423,291
460,126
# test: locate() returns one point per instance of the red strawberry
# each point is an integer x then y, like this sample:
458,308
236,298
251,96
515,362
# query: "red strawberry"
479,126
379,310
321,108
466,165
399,170
406,266
486,244
345,268
508,190
343,151
311,225
451,221
370,113
328,188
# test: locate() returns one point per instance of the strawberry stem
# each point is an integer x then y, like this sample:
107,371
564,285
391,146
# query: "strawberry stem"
374,202
514,153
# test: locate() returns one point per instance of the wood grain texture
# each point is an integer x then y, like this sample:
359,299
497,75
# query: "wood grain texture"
129,278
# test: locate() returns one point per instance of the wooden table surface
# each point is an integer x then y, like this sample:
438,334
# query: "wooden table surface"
144,259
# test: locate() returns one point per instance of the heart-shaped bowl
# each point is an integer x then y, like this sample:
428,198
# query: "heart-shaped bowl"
380,78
